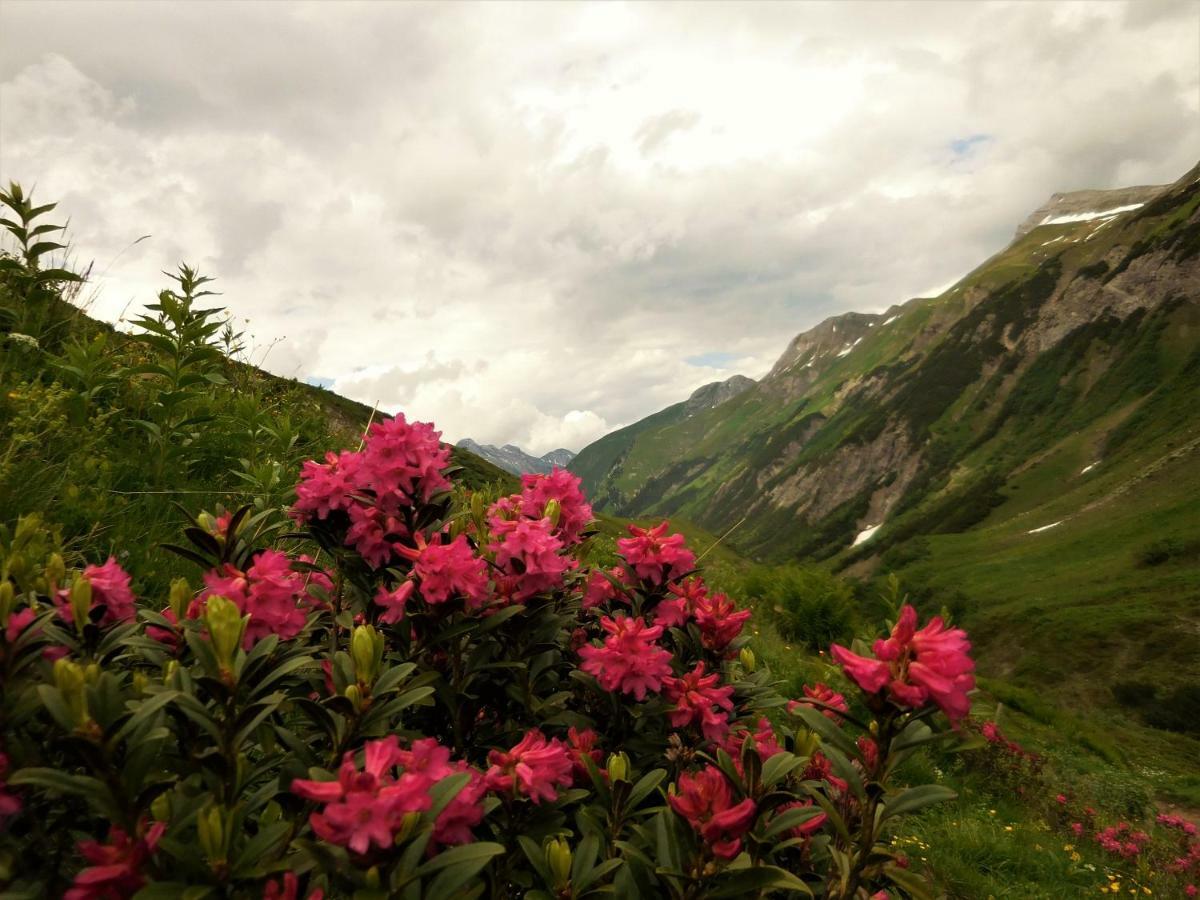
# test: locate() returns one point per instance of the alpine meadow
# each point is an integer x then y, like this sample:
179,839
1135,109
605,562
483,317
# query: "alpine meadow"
911,612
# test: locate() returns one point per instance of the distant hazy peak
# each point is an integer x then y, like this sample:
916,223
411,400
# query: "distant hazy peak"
513,459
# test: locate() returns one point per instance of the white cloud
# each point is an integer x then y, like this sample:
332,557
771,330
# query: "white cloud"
520,221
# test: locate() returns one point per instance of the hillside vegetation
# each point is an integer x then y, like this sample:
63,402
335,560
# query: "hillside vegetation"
1021,449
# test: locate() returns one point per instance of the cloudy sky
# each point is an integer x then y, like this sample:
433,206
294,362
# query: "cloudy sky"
535,223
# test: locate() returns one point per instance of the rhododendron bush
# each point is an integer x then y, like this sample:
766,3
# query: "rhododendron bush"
421,693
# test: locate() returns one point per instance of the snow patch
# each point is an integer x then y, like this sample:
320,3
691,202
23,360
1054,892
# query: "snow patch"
891,320
1045,527
866,534
849,347
1054,240
1088,216
1088,468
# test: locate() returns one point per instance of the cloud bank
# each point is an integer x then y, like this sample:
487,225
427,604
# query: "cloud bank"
534,223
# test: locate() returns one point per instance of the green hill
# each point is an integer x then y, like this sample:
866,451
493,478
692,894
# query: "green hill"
1024,447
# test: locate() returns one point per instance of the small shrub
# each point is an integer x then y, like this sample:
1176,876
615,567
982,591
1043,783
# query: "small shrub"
812,606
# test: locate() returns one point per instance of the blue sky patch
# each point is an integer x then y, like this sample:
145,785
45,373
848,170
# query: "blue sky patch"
964,145
714,359
318,381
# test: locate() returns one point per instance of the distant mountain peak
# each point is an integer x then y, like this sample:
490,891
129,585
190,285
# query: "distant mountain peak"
717,392
1082,206
513,459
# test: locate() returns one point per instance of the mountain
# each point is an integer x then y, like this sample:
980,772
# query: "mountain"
1037,424
606,456
512,458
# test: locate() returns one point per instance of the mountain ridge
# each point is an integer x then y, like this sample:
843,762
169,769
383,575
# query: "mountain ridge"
516,461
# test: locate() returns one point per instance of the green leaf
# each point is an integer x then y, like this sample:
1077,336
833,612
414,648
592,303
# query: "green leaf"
748,881
463,864
778,767
827,730
644,786
917,798
790,819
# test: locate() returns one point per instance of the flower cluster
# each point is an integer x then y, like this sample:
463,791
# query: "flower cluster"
276,594
827,701
630,661
365,808
448,569
116,866
534,768
916,666
400,465
654,556
111,594
699,701
705,800
529,557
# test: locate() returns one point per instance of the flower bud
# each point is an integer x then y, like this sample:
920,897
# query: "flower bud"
373,878
208,522
71,682
7,601
408,826
140,682
366,649
169,671
210,826
354,695
81,602
56,571
807,743
558,860
477,506
180,598
225,628
749,663
552,511
618,766
161,808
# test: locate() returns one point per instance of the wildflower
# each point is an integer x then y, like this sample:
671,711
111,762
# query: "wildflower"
533,768
697,700
655,556
574,513
393,601
288,888
680,607
448,570
403,463
365,808
110,592
917,666
273,593
719,620
529,554
1061,799
806,828
115,870
326,487
600,588
10,803
455,823
706,802
374,535
630,661
425,763
821,769
18,622
582,744
831,701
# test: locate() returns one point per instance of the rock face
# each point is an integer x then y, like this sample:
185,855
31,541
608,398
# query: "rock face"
1093,204
915,419
513,459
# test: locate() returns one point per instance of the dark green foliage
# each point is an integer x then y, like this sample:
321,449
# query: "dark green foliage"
811,606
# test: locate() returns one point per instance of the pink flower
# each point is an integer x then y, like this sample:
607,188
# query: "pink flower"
720,621
165,635
110,592
374,535
991,732
821,769
1191,890
1077,827
288,888
706,802
766,743
529,554
582,744
655,556
115,870
326,487
393,601
1061,799
456,822
403,463
18,622
917,667
365,808
425,763
630,661
560,485
698,701
448,570
10,803
271,592
833,702
680,608
601,590
805,829
533,768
